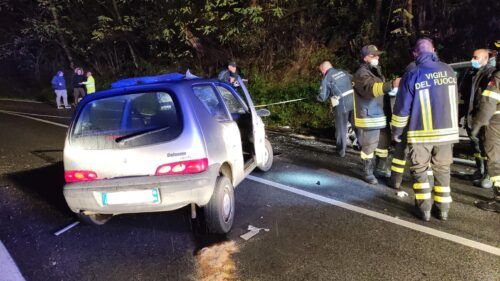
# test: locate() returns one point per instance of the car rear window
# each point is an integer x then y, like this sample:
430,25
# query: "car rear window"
127,121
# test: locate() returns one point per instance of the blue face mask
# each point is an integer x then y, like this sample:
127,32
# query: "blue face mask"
475,64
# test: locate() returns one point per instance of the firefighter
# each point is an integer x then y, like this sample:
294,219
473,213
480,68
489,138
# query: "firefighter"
474,83
371,113
337,86
489,116
427,104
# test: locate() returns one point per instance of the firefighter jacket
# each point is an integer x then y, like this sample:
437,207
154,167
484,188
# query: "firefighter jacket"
337,84
471,88
372,106
489,107
427,103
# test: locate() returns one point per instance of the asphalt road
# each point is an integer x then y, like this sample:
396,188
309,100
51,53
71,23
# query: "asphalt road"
308,238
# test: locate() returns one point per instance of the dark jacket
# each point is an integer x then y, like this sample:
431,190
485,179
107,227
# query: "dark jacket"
489,106
225,74
427,103
58,83
76,79
372,106
337,83
471,88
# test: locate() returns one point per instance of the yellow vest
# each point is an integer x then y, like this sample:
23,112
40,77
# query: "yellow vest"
90,85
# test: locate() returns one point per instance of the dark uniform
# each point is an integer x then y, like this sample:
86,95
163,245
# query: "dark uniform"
427,104
400,152
337,84
473,84
225,74
489,116
371,112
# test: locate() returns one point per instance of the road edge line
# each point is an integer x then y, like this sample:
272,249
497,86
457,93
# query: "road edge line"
34,118
8,266
417,227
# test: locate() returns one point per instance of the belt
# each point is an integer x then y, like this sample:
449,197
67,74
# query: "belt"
347,93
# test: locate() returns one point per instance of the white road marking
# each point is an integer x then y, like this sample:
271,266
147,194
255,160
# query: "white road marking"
20,100
417,227
424,229
66,228
8,268
37,119
39,115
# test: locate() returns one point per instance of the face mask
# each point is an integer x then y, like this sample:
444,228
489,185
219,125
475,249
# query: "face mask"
475,64
374,62
492,62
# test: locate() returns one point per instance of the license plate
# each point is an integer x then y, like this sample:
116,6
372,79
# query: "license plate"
131,197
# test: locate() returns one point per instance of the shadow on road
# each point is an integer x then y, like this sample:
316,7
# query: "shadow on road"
45,183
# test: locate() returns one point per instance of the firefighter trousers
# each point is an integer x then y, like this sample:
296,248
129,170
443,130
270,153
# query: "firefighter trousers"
341,120
440,158
492,148
479,151
375,142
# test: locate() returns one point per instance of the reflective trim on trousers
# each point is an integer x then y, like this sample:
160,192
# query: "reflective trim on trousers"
365,156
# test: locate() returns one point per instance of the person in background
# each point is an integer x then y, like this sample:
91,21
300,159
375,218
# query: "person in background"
90,83
474,83
59,86
371,110
489,116
230,74
426,107
337,86
78,88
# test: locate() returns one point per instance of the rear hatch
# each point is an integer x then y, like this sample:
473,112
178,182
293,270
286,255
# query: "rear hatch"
130,135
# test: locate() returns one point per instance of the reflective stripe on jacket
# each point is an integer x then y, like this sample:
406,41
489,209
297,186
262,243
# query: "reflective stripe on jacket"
371,105
427,103
337,83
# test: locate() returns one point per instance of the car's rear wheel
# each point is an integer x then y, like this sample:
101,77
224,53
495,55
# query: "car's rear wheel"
268,156
219,212
94,219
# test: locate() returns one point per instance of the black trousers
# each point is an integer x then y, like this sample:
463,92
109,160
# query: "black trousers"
492,147
441,157
341,120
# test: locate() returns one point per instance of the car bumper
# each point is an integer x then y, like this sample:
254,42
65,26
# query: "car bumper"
174,192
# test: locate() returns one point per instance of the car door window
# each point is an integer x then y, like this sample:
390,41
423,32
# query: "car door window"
233,105
212,102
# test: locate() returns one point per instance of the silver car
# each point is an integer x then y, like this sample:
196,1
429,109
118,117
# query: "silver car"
161,143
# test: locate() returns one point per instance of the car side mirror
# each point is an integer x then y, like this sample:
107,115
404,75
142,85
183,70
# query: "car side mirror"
263,112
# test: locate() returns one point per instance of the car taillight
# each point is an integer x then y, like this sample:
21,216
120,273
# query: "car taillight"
75,176
183,167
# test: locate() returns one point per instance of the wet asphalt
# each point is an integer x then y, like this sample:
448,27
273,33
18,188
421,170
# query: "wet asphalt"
308,240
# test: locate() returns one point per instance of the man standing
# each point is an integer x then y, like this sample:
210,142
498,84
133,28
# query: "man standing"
59,86
371,110
489,116
337,86
474,83
230,74
427,104
90,83
78,88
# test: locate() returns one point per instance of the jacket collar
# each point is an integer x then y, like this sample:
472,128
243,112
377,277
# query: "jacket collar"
426,57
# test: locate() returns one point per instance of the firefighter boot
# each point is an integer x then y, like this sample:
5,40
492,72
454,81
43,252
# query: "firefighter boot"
382,169
368,172
492,205
485,182
478,175
396,180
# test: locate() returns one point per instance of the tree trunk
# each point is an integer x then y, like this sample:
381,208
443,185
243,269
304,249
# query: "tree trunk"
376,23
129,45
62,41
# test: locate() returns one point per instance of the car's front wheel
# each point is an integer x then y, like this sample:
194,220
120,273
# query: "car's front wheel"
94,219
219,212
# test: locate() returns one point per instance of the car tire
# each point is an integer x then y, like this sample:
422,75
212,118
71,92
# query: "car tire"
269,157
219,212
95,219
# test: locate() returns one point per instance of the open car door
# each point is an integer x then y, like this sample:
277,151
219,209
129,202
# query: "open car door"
258,131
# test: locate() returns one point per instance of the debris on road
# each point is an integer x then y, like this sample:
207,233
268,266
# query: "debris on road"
252,231
216,263
402,193
67,228
318,183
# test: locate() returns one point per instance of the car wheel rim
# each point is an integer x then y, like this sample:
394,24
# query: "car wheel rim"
226,207
266,156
